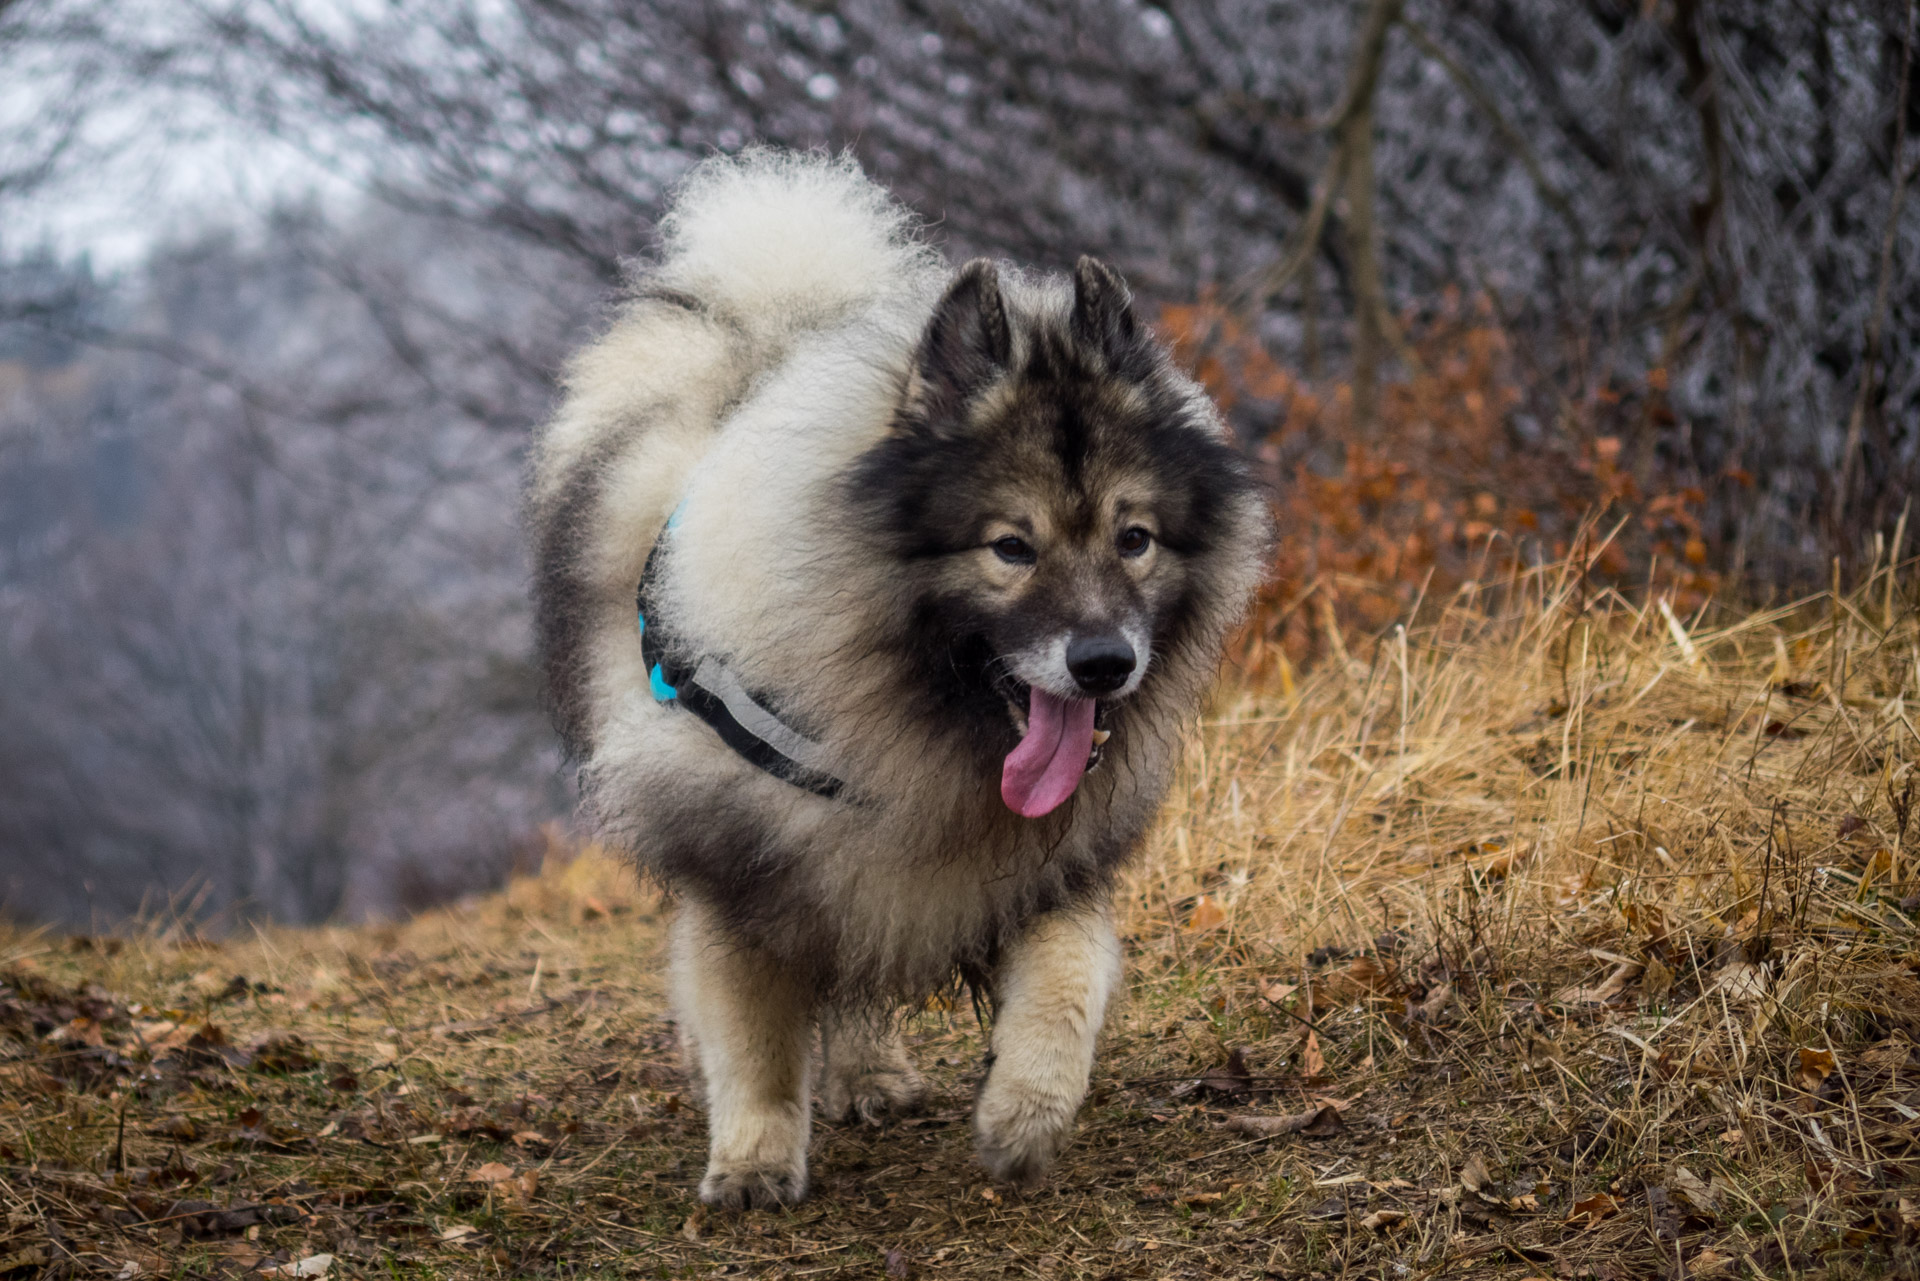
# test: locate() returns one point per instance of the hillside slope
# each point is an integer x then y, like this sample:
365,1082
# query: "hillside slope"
1560,936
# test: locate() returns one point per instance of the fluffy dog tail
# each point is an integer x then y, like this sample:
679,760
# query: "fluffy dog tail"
756,250
779,242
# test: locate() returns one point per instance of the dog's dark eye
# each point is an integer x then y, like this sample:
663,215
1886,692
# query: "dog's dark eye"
1134,541
1015,551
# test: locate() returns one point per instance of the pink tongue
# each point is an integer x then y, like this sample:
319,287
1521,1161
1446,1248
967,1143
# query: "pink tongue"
1043,771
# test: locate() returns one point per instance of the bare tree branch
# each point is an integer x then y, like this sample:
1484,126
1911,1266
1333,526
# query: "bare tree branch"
1515,141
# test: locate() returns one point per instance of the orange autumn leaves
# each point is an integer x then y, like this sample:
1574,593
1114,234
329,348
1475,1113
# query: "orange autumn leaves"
508,1186
1455,480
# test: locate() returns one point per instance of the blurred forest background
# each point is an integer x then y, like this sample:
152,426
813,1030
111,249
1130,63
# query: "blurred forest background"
1483,281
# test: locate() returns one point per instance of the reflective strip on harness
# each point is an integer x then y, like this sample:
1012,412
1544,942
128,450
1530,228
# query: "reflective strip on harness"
719,680
711,691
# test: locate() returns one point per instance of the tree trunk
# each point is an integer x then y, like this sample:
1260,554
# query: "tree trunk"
1368,302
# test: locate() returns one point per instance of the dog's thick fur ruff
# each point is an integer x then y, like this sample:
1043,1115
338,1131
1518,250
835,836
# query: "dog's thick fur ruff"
832,414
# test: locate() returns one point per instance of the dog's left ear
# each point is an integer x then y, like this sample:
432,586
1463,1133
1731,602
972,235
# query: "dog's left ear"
1103,310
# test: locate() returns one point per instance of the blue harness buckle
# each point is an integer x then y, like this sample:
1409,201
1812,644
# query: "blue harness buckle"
710,690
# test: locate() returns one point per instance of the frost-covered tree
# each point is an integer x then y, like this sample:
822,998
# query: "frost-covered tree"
266,628
1715,191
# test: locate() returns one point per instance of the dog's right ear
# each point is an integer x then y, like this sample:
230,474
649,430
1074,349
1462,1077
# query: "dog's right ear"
966,344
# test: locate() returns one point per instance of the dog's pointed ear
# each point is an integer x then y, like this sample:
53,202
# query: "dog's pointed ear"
967,342
1103,310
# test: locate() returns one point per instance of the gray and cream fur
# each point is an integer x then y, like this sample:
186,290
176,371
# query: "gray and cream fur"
903,498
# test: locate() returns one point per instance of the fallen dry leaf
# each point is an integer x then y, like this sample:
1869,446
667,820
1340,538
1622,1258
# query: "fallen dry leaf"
1384,1220
314,1265
1364,976
1740,981
491,1172
1593,1209
1495,866
32,1078
244,1253
1436,1002
1313,1064
180,1129
1814,1069
1474,1175
1691,1188
163,1036
1206,915
1321,1119
20,1260
1545,1047
1608,992
1649,920
1229,1078
279,1054
80,1030
1657,981
1708,1263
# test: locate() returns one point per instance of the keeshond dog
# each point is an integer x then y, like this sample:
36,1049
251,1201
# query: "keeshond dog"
874,598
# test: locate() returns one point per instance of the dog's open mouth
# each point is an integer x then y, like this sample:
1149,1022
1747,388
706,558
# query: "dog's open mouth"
1060,741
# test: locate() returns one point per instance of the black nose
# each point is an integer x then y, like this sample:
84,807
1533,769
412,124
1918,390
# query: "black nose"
1100,664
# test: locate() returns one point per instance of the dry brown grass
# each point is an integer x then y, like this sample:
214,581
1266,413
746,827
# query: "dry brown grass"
1577,939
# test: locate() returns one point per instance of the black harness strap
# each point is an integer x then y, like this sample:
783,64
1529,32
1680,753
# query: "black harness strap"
672,678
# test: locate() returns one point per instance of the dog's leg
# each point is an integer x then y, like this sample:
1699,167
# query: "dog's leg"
1050,994
751,1028
866,1072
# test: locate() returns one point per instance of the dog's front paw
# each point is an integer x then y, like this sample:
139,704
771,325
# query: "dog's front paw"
1019,1129
872,1094
753,1189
